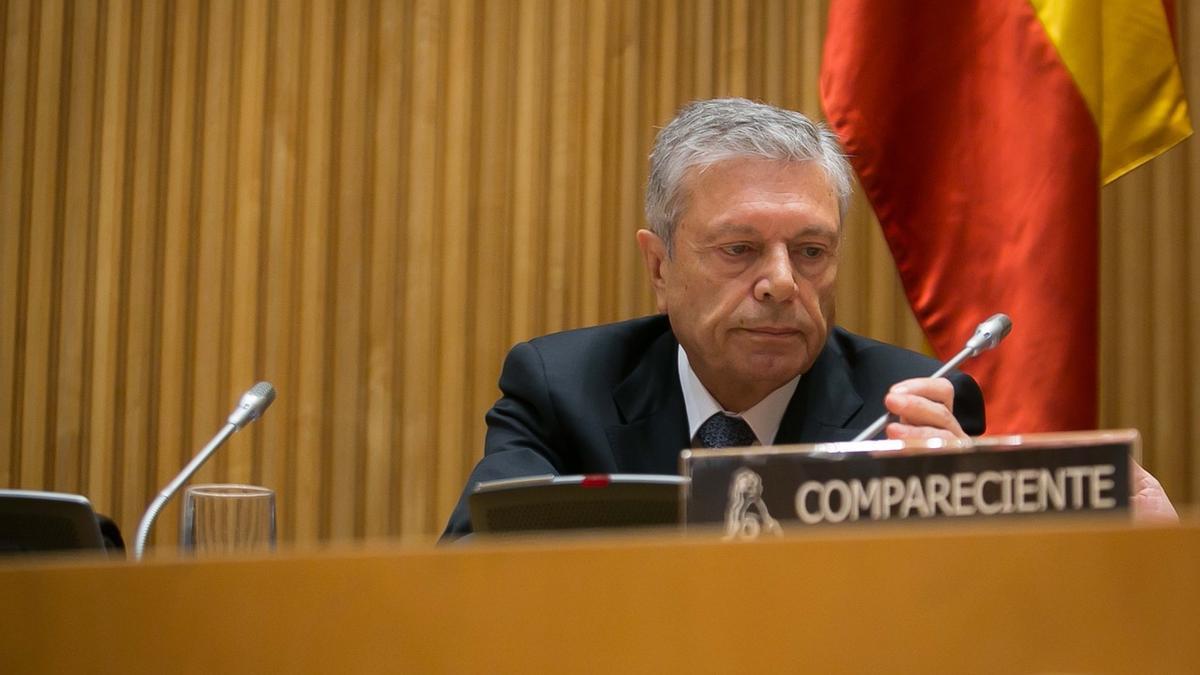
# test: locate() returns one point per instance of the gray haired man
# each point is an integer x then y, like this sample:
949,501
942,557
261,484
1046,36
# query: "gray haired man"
745,204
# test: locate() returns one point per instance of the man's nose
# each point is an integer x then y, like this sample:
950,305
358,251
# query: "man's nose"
777,279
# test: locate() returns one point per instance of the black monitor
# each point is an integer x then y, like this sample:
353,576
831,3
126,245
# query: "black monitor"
32,521
596,501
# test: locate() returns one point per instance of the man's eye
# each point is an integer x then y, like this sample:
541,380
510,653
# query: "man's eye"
811,252
736,249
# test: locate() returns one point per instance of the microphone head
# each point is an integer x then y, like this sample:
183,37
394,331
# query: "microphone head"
989,333
254,402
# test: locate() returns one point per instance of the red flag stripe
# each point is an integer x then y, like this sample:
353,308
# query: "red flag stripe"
981,160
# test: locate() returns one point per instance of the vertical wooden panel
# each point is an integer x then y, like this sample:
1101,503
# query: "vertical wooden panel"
610,146
590,251
421,246
383,127
1186,216
105,460
774,71
563,202
1108,348
137,285
854,299
42,188
705,56
61,98
76,162
812,21
734,78
528,157
1171,410
173,443
349,148
280,332
685,26
757,48
796,52
316,77
671,51
247,214
624,256
493,122
1133,335
212,262
14,52
651,81
455,283
879,274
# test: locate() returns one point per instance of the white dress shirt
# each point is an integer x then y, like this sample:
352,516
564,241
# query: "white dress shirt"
763,417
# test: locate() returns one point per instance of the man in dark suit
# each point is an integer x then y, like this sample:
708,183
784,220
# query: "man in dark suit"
745,203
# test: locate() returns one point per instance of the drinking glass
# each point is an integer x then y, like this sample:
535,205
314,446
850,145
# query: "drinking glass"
222,519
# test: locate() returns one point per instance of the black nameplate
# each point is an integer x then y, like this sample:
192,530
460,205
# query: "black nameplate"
755,492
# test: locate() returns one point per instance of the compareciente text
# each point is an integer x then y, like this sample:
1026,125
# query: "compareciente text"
1070,488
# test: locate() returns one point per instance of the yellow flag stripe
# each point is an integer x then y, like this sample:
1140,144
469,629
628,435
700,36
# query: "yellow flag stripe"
1120,54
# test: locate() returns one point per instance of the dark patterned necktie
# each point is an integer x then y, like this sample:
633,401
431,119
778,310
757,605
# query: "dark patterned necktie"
723,431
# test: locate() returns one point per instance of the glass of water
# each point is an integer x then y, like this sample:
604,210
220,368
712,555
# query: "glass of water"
225,519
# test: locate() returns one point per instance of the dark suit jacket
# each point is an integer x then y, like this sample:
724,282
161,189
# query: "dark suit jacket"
607,400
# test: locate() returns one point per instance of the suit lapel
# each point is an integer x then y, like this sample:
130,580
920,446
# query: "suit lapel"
654,419
824,402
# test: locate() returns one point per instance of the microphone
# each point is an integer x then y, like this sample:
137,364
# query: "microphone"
987,335
252,405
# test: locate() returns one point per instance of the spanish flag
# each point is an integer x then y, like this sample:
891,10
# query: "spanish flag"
981,131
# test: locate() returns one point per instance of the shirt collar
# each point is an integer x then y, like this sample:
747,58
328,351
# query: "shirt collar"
763,417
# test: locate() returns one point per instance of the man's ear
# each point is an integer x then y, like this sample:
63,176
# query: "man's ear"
654,254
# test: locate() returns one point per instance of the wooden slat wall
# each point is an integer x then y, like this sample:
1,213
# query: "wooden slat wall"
1150,279
368,201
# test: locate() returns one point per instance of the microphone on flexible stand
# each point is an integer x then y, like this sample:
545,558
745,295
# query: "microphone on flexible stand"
987,335
254,402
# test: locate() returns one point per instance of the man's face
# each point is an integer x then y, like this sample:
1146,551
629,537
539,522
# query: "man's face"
749,284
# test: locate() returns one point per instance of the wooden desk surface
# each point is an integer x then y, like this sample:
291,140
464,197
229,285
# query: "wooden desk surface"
1009,598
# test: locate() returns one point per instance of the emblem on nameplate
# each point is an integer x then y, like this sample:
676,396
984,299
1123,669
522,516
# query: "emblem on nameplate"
747,517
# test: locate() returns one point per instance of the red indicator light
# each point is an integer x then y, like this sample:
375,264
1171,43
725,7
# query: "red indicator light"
595,480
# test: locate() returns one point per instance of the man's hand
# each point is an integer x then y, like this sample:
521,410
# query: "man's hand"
1147,498
925,406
